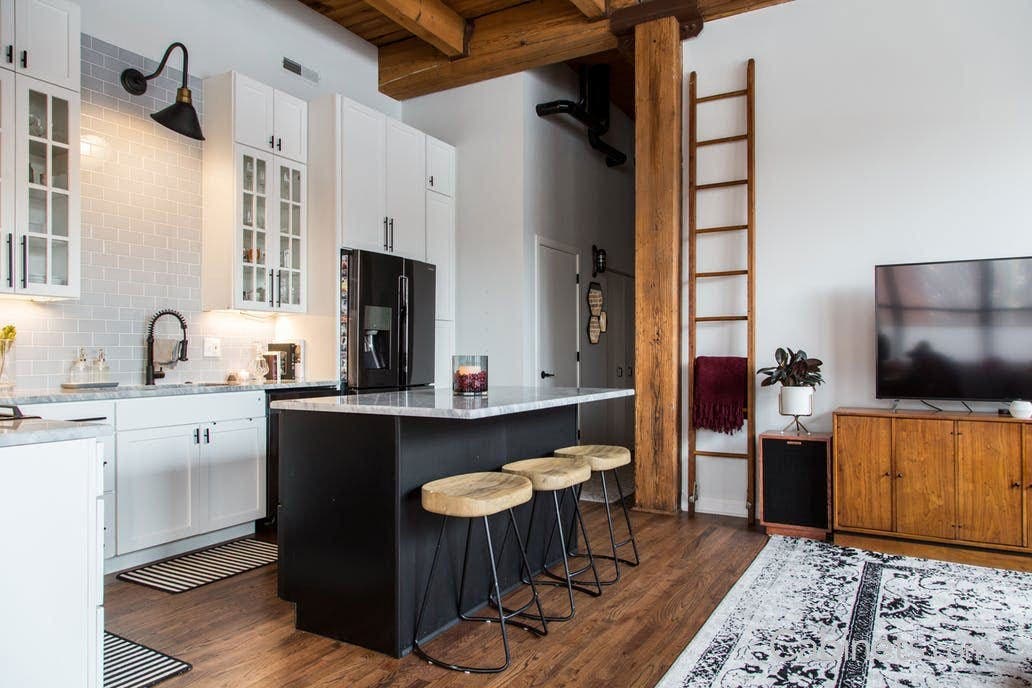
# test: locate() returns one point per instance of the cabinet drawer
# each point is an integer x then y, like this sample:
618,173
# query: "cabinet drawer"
135,414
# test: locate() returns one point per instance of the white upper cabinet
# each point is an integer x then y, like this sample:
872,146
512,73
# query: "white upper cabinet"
253,113
40,38
406,195
267,119
255,240
291,126
440,166
363,178
47,233
440,250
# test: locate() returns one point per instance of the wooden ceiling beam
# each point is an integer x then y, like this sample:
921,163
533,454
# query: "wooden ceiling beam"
592,9
429,20
535,34
686,12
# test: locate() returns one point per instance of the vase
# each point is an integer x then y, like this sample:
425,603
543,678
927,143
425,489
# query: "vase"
6,364
1021,409
796,401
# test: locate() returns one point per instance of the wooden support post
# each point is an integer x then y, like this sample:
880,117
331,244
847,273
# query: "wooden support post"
657,264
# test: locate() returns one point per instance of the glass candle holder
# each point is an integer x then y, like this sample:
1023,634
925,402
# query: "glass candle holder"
6,364
469,375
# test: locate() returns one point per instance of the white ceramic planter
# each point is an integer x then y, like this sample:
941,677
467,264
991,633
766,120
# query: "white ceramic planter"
1021,409
796,401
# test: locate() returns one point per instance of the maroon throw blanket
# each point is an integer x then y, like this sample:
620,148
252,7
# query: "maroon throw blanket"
720,393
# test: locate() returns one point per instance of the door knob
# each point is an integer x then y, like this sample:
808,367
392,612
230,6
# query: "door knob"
545,375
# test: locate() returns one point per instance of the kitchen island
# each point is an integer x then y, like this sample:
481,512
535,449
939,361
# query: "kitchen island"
355,543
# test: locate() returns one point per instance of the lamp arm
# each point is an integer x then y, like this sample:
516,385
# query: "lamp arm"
164,61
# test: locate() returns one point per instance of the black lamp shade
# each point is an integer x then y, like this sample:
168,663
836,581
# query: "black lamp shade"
181,118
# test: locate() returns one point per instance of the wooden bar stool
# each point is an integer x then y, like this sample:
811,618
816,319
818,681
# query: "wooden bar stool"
555,475
472,496
604,458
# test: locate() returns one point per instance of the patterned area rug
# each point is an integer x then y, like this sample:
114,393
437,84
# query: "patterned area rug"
811,614
206,566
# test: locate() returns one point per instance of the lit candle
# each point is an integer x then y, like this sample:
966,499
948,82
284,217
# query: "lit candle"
468,370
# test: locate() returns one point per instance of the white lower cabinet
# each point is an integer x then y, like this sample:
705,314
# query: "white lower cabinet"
233,465
188,480
158,486
52,565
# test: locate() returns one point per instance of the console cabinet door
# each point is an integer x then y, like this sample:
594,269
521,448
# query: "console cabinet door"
863,469
925,477
1027,475
989,483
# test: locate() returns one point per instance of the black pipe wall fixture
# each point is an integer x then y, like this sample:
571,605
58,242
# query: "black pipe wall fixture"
591,110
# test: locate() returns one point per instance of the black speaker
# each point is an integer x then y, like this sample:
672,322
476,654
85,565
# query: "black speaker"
794,482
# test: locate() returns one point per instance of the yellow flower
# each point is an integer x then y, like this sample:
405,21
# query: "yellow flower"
8,332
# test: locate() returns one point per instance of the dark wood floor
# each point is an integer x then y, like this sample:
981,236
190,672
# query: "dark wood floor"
238,633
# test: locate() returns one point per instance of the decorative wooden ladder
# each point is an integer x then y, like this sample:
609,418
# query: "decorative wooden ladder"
749,137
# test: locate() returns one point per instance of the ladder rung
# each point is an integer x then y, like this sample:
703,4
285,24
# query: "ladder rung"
726,139
728,228
722,273
722,455
721,318
721,96
721,185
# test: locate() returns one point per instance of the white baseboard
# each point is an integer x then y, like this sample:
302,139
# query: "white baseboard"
143,557
722,507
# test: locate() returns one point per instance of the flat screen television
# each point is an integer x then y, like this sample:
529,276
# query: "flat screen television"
958,330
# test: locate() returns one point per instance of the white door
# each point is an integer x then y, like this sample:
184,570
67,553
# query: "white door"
290,238
7,33
444,342
406,190
253,113
47,41
233,462
440,250
47,207
290,120
256,216
8,138
363,177
557,316
157,486
440,167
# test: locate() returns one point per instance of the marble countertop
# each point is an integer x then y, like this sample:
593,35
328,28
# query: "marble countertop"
15,433
47,396
442,403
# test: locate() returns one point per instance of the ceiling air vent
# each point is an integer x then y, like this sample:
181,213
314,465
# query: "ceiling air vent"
302,71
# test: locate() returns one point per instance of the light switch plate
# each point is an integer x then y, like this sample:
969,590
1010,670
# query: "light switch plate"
212,347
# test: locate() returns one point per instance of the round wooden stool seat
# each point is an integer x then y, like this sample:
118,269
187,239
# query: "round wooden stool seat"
602,457
551,473
472,495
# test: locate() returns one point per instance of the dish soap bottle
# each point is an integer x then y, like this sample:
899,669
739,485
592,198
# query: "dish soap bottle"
80,372
101,372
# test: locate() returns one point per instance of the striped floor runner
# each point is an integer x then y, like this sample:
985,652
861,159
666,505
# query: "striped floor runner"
131,665
207,566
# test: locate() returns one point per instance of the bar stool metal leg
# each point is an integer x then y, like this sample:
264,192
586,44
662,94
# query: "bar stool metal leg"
501,618
631,540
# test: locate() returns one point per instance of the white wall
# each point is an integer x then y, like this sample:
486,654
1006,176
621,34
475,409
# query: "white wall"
250,36
520,175
886,132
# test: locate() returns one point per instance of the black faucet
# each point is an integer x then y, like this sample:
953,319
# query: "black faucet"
150,343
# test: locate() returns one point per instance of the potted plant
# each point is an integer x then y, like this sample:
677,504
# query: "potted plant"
798,375
7,335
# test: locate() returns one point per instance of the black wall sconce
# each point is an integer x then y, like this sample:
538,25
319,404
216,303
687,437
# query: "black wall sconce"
180,116
598,260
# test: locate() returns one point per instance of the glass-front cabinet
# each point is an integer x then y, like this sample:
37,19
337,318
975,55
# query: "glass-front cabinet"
39,182
270,232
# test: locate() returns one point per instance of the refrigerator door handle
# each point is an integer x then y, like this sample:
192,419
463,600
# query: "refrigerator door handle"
403,325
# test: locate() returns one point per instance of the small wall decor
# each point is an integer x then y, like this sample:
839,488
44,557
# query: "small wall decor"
595,301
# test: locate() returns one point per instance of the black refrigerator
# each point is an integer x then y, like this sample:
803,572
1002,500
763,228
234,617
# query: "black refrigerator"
386,322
